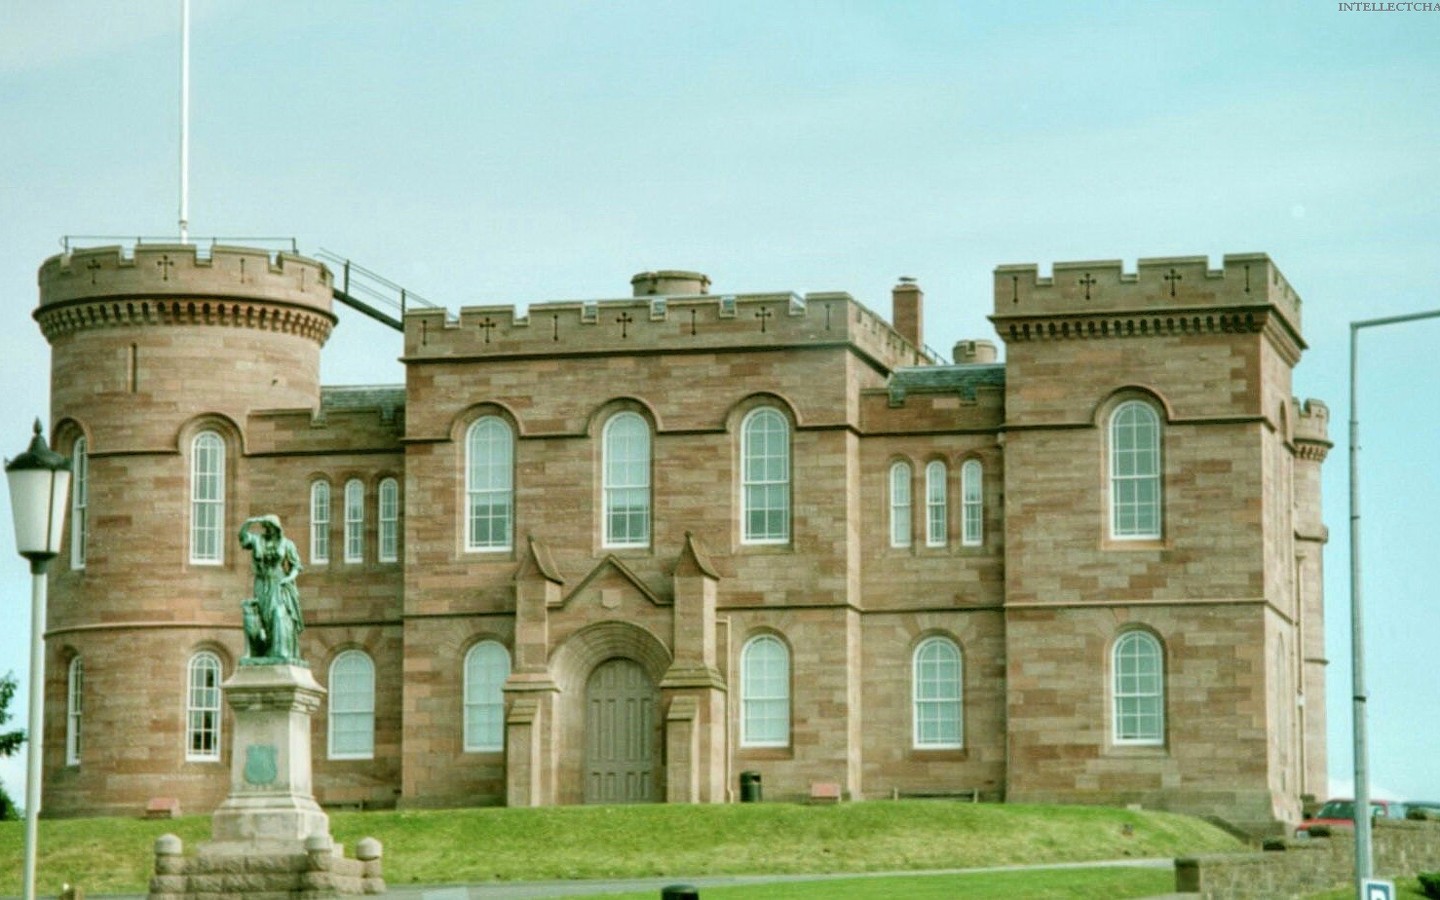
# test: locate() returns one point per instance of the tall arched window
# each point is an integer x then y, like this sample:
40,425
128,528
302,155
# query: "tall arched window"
1138,693
765,477
74,697
938,680
354,521
319,521
626,468
487,665
207,498
79,502
1135,497
489,485
972,503
389,520
202,708
900,505
765,693
937,501
352,706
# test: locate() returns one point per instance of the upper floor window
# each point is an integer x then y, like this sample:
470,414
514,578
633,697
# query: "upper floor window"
765,693
487,665
937,674
354,521
320,521
1134,472
74,695
352,706
972,503
79,502
389,520
489,485
765,477
202,708
900,505
936,504
626,468
1138,692
207,498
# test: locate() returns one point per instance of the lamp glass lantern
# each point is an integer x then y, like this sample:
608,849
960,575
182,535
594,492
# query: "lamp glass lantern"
39,489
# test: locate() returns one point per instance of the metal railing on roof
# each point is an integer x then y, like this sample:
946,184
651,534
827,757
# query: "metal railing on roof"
370,292
202,245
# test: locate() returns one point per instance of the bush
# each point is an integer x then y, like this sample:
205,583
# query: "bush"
1430,884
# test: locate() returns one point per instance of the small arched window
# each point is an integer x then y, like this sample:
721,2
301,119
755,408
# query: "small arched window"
938,679
765,693
202,708
74,697
389,520
489,485
1138,692
354,521
1135,496
319,521
937,501
900,505
207,498
487,665
352,706
79,502
972,503
765,477
626,474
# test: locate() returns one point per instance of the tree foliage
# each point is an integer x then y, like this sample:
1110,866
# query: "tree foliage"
10,741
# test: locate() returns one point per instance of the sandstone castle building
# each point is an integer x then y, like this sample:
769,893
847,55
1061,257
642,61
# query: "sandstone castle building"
628,549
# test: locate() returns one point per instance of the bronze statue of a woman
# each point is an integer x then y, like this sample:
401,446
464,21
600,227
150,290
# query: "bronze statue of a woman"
272,616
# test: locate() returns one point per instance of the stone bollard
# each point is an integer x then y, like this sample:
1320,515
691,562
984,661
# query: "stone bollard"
169,879
680,892
71,892
368,851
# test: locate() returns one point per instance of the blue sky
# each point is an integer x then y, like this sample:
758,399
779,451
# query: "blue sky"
524,151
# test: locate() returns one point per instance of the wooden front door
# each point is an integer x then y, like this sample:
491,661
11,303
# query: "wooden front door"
620,734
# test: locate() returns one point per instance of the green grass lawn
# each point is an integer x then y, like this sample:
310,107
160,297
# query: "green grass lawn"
478,845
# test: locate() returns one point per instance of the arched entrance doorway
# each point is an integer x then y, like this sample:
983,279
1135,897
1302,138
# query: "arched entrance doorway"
622,737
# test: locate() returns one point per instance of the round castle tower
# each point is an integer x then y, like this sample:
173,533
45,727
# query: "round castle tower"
157,360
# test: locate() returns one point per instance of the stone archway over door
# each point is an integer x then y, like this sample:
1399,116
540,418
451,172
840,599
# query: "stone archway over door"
621,735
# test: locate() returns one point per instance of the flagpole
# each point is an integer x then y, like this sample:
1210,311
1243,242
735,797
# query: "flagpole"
184,121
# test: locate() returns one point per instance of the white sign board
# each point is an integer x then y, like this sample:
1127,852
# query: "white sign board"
1377,889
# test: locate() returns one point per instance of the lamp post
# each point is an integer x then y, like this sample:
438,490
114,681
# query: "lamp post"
1357,632
39,487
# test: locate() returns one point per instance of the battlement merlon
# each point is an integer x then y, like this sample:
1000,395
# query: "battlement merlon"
669,324
1312,429
1158,285
173,271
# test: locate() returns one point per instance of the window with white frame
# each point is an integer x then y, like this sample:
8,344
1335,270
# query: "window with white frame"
765,477
79,501
1135,495
1138,692
319,521
937,516
765,693
937,691
202,708
389,520
626,474
972,503
74,695
354,521
900,505
489,485
352,706
207,498
487,665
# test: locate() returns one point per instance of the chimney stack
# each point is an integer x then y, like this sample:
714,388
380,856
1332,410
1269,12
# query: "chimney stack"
970,353
907,311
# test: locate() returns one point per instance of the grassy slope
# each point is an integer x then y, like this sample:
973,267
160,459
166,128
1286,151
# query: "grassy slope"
474,845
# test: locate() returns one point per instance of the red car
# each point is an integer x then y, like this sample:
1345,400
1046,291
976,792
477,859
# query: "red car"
1342,812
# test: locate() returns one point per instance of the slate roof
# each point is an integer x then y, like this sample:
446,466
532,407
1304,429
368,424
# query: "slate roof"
386,398
962,380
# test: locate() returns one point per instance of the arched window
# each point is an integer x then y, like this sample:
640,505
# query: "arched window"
937,516
207,498
74,695
626,468
765,693
489,485
389,520
487,665
900,505
79,502
352,706
1135,472
202,708
938,679
972,503
765,477
1139,690
354,521
319,521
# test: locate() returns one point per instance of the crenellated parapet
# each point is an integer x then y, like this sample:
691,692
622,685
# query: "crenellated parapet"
661,324
175,284
1312,428
1164,295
